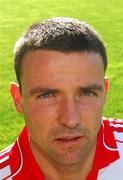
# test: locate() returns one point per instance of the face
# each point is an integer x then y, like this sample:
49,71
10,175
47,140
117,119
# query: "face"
62,99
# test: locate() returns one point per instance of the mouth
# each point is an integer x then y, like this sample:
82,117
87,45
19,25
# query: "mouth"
68,141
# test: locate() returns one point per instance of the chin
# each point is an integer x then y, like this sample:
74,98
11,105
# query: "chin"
70,158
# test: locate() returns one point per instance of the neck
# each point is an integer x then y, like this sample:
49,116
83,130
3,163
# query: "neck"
54,171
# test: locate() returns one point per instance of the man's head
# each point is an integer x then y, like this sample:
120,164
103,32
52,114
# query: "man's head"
59,34
60,65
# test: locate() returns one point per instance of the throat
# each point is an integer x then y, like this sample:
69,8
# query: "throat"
69,173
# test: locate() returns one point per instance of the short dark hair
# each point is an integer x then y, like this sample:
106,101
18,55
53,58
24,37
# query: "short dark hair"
61,34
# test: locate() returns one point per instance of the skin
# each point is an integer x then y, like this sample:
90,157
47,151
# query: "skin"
62,98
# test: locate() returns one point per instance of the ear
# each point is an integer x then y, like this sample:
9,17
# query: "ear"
106,85
15,92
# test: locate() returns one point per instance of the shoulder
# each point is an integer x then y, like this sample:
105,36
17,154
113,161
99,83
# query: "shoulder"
5,153
11,158
113,132
5,169
112,139
10,161
113,123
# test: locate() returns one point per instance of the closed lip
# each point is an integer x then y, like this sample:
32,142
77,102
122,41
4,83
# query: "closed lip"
69,137
69,140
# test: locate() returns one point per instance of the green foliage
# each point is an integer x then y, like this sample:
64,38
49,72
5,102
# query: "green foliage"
16,15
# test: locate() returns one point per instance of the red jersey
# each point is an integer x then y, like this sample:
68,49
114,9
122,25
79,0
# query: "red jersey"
18,163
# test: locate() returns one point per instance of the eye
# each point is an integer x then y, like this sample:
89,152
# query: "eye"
45,95
89,93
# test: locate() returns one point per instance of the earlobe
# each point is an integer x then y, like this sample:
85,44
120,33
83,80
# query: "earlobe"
15,92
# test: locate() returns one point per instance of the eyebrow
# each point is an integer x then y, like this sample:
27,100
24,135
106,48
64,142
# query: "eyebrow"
39,90
92,87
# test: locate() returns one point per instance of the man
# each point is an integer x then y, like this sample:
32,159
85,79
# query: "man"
60,65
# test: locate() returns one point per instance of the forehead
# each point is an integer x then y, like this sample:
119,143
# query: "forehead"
46,65
56,58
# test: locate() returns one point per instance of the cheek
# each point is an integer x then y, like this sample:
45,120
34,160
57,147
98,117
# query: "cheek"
38,113
91,115
39,121
91,107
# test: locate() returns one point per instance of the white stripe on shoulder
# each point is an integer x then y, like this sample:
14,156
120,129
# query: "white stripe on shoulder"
6,150
116,125
112,120
4,154
5,172
4,159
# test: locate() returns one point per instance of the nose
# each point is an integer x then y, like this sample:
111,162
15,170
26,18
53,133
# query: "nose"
69,114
